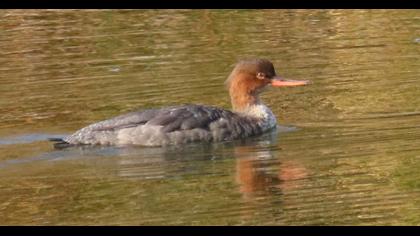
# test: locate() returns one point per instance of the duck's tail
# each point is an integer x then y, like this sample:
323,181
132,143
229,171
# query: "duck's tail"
60,143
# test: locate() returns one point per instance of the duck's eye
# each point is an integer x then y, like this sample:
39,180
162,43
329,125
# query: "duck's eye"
261,75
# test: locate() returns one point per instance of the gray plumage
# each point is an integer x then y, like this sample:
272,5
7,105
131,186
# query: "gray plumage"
171,125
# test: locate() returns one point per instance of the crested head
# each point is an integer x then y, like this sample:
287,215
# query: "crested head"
252,68
248,78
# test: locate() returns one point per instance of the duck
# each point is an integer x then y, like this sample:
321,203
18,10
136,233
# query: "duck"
187,123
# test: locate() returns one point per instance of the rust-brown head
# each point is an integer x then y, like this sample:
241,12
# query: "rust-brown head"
250,77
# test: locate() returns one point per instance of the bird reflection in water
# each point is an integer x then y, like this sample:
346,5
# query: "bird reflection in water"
263,176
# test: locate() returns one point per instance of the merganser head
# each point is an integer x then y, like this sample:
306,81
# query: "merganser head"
249,78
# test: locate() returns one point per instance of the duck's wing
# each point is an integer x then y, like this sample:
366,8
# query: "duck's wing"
184,117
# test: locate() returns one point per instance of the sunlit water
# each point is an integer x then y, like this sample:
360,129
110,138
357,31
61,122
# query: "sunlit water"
347,150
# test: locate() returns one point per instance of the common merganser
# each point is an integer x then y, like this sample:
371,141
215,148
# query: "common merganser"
191,123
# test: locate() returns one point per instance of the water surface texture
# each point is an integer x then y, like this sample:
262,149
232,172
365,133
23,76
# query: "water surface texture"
347,151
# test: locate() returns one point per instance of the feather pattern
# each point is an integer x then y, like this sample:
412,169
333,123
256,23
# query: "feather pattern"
171,125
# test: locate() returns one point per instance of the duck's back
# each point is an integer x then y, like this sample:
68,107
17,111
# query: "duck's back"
165,126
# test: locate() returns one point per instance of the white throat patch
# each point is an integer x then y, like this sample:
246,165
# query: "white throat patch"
263,113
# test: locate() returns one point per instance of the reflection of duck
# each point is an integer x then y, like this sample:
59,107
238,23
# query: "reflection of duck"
259,171
189,123
263,178
251,170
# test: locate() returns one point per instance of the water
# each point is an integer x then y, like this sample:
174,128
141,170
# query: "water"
347,151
